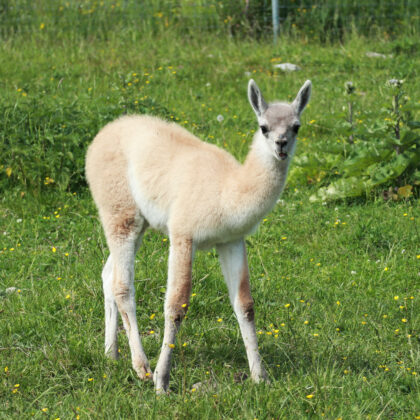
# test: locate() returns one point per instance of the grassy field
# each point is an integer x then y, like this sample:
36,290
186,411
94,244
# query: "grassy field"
336,285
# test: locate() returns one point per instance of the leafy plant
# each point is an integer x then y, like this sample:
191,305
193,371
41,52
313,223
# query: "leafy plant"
384,154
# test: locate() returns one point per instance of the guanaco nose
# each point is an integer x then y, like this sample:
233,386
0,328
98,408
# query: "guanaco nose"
281,142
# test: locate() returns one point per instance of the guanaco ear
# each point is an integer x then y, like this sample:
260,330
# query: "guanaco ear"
256,99
302,97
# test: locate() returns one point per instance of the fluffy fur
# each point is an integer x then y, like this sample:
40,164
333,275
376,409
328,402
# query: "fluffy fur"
143,172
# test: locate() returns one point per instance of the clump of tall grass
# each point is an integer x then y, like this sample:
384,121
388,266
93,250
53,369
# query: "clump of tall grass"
44,147
316,19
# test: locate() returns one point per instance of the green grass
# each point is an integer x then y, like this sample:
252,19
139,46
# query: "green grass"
340,269
63,91
350,269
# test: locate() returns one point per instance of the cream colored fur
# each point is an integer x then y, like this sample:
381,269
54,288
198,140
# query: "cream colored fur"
143,172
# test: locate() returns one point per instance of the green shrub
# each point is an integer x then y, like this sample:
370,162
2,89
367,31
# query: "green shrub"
381,152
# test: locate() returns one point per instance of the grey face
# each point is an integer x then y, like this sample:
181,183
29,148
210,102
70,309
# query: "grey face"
279,121
280,125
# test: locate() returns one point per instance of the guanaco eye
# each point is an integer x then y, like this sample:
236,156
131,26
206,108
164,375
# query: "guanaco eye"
264,129
295,128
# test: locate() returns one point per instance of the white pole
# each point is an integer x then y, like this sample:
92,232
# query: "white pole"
275,13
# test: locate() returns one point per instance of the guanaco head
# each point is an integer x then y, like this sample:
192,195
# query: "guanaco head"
279,121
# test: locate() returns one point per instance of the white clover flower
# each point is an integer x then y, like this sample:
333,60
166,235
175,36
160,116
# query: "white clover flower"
350,88
395,83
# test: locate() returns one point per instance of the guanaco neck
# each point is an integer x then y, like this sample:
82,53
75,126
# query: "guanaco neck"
255,187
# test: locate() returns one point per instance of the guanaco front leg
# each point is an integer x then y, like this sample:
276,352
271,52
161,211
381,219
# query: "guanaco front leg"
234,264
177,298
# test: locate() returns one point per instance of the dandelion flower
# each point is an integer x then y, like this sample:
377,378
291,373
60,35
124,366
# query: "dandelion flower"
310,396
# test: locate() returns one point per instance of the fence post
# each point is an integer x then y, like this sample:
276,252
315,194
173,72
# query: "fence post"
275,14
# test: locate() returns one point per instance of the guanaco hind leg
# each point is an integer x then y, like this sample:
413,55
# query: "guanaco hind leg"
111,312
124,233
